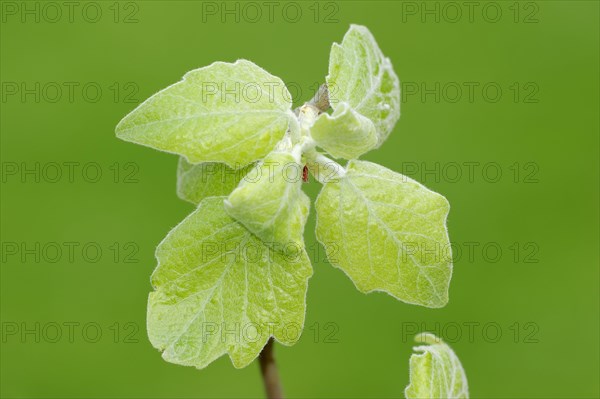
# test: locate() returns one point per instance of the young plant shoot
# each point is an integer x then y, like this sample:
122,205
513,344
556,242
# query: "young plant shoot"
238,261
435,371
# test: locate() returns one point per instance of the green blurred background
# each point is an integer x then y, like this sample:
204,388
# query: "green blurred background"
524,321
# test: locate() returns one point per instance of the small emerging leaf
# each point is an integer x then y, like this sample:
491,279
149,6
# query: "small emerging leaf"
345,133
219,289
389,233
270,202
231,113
360,75
436,372
209,179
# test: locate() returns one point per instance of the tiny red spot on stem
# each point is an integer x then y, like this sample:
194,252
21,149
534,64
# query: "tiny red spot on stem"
305,174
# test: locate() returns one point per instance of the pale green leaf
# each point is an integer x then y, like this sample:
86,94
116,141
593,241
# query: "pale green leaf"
362,76
231,113
208,179
389,233
219,289
270,202
435,371
345,133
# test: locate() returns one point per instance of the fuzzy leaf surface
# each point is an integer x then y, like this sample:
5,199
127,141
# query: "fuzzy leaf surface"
208,179
436,371
388,233
345,133
219,289
231,113
360,75
270,202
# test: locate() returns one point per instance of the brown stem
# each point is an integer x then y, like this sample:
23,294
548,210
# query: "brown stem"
269,372
321,98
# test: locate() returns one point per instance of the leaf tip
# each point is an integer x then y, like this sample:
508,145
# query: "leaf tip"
427,338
